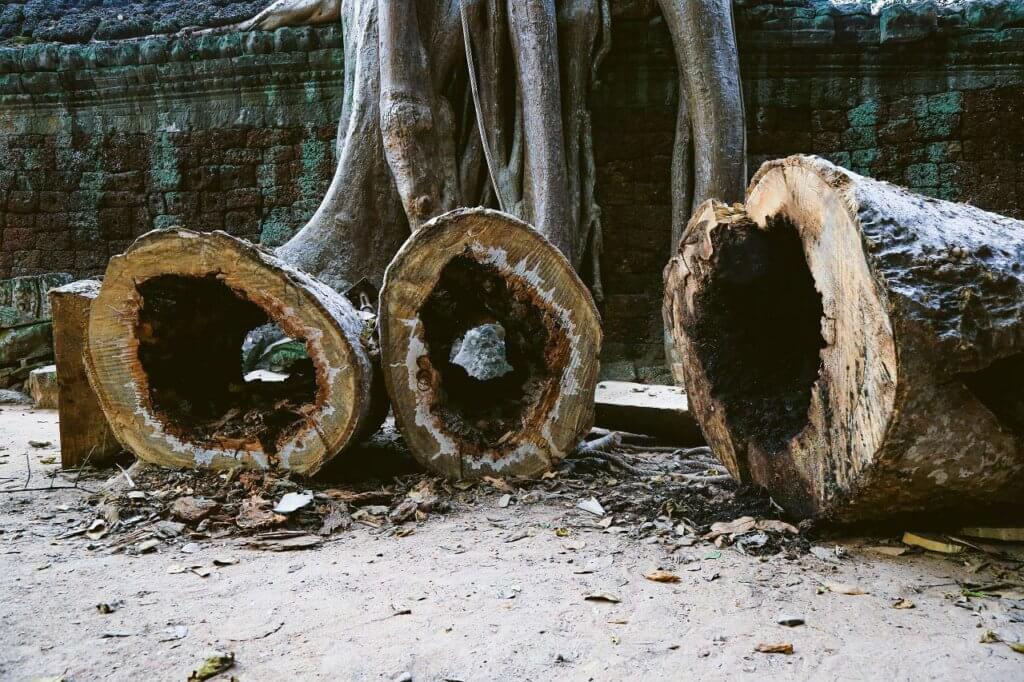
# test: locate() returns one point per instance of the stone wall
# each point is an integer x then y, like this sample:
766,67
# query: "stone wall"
103,141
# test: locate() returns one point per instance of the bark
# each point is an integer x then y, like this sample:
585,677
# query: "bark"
360,223
410,118
164,357
464,271
854,347
85,435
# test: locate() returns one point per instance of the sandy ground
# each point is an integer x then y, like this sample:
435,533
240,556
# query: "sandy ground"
456,601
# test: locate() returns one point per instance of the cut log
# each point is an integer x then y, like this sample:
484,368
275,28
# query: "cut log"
661,411
84,432
165,357
854,347
490,343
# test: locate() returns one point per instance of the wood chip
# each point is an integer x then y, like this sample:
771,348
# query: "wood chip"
932,543
776,648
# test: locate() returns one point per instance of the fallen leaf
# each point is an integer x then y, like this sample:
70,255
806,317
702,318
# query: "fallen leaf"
662,577
903,604
147,546
562,532
990,637
214,665
293,502
776,526
337,518
1016,646
97,529
842,588
192,509
497,484
253,513
602,596
734,527
777,648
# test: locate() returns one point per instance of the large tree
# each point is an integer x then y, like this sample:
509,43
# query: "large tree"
453,103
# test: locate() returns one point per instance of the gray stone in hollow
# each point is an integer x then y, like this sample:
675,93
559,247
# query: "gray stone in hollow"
481,352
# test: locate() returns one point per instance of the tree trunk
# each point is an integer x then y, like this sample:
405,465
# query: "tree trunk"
855,348
490,343
84,432
165,340
709,158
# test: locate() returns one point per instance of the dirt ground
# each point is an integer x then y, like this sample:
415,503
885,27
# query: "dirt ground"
486,593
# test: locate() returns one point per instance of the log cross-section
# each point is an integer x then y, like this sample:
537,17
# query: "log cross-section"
854,347
489,345
165,340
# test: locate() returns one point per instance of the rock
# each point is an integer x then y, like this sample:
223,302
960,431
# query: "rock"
192,509
481,352
42,386
26,343
9,397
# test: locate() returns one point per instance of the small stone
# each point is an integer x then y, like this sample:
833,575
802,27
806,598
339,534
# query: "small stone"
481,352
790,621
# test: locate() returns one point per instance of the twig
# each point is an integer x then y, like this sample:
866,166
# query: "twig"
124,471
28,465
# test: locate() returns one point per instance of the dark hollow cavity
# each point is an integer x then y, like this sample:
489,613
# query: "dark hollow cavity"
469,294
191,332
757,332
999,388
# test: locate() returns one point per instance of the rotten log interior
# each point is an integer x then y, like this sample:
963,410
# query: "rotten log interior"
191,332
482,410
855,348
757,331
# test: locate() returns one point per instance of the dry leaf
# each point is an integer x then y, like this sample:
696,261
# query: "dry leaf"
777,648
662,577
740,525
903,604
777,526
602,596
842,588
498,484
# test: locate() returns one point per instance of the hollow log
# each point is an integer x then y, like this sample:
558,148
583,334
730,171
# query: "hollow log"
165,340
854,347
84,432
489,343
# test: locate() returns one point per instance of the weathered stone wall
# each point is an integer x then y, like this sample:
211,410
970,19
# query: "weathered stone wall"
104,141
